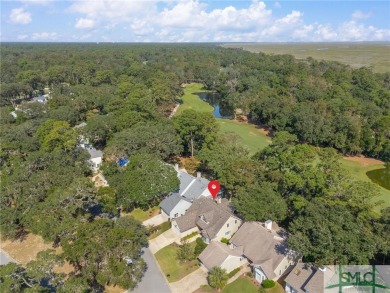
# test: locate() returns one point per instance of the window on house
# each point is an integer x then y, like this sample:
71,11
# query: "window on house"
235,221
227,225
176,215
227,233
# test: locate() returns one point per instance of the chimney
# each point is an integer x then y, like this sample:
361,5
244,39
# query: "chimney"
268,225
198,174
322,268
177,167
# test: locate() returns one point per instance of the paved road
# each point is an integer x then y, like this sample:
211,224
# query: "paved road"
153,280
5,258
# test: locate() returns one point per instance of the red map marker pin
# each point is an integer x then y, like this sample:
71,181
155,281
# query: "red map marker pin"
213,188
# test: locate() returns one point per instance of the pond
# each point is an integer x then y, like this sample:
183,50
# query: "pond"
221,110
380,177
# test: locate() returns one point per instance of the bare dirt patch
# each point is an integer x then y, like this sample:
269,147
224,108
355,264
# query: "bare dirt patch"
113,289
364,161
26,250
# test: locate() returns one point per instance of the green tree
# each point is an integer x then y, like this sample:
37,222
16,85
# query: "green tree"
144,179
106,252
326,233
196,129
199,247
185,251
56,135
218,278
158,139
260,203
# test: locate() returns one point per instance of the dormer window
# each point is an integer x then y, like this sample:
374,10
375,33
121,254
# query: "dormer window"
203,218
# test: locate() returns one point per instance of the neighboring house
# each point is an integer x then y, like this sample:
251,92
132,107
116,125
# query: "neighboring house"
191,188
214,220
218,254
41,99
96,157
307,278
264,245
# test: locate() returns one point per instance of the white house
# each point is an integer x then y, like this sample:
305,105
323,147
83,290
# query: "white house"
96,157
213,219
177,203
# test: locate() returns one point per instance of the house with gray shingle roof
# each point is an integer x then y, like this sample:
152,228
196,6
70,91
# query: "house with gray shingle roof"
264,245
213,219
218,254
177,203
307,278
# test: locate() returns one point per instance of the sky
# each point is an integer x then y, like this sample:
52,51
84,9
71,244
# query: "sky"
194,21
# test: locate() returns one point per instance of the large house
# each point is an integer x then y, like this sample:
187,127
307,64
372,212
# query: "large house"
265,248
307,278
262,246
213,219
191,188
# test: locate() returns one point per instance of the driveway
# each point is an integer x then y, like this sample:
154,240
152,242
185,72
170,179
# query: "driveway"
5,258
163,240
156,220
191,282
153,281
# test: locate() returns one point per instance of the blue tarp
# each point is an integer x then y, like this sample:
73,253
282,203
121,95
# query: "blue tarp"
122,162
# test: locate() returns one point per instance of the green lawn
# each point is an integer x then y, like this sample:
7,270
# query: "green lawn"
163,227
192,101
240,285
249,133
142,215
358,171
173,269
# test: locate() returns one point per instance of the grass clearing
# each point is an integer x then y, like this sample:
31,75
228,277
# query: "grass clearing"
240,285
251,135
173,269
358,171
192,101
375,55
142,215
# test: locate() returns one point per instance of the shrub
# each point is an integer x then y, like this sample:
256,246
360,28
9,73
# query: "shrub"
200,246
262,290
249,274
268,284
233,272
189,236
225,240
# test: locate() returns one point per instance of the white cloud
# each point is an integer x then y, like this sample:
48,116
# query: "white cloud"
22,37
20,16
84,23
194,21
360,15
45,36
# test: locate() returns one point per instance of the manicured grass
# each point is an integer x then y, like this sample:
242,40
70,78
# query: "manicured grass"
240,285
142,215
172,268
192,101
163,227
358,171
250,135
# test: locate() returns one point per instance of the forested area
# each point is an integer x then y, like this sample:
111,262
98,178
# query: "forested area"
125,94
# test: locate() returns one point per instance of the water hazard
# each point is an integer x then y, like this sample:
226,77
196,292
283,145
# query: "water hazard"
380,177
